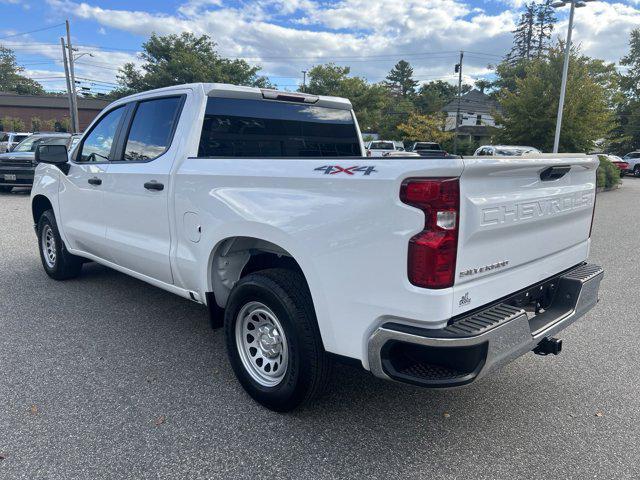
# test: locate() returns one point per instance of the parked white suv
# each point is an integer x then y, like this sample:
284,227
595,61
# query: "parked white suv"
633,159
261,205
8,140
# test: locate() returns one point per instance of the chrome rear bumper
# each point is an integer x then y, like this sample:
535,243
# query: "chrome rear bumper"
471,346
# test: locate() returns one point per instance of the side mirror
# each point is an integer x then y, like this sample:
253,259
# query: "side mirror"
54,155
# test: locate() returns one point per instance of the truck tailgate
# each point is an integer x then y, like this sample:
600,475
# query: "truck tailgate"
522,220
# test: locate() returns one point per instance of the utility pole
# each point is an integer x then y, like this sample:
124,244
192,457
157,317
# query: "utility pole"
458,70
304,80
72,113
76,121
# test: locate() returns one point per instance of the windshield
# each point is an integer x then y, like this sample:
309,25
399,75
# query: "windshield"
381,146
4,137
31,143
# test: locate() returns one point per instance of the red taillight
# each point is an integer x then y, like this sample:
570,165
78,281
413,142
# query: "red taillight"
432,252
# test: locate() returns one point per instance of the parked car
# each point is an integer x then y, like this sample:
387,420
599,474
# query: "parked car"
432,273
505,151
399,153
17,166
8,140
633,159
427,149
378,148
622,165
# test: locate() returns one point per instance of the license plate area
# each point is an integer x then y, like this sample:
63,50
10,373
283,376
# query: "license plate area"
10,177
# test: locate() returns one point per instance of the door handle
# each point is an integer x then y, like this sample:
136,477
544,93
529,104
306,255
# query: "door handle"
154,185
94,181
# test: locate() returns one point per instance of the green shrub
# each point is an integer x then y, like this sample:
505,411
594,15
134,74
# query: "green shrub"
608,175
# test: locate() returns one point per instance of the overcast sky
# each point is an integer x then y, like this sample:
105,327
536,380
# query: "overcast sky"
287,36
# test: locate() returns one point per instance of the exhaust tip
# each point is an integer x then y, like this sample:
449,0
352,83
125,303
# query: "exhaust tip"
548,346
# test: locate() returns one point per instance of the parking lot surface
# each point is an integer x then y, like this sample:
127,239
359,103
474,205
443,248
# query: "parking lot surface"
107,377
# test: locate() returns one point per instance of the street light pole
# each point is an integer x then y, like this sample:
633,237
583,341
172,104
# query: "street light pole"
458,69
304,80
563,86
565,68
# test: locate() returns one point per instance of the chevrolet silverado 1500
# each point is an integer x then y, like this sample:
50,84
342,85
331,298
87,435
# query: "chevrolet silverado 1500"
262,206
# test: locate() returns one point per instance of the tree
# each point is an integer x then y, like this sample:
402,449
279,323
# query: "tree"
523,35
400,79
545,20
529,112
11,79
369,101
626,134
482,85
186,58
424,128
432,96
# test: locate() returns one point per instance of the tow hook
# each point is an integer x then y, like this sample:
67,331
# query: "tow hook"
547,346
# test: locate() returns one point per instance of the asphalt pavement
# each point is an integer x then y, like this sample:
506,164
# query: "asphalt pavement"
106,377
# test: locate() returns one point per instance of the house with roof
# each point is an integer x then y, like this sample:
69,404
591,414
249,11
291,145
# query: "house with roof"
477,111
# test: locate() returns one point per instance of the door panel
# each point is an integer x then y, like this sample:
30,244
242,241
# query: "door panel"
81,208
137,190
138,226
81,194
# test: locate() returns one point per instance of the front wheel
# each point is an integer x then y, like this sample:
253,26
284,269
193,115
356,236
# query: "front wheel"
636,171
56,260
273,340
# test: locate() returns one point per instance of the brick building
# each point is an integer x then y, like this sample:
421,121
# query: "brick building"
48,107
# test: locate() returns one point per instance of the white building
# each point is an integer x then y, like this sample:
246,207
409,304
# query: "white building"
476,115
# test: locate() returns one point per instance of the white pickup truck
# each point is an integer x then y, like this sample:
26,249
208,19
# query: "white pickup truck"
261,205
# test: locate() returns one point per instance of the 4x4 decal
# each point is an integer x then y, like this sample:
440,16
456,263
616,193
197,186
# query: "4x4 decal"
333,169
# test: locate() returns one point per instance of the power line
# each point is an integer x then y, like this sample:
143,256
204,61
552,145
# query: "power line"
33,31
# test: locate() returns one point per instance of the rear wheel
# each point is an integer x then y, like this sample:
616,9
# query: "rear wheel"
56,260
5,188
273,340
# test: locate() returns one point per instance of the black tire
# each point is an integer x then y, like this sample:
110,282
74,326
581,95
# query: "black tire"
285,293
58,262
5,188
636,171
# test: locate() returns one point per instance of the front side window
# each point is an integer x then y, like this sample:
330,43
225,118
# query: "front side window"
152,129
264,128
97,145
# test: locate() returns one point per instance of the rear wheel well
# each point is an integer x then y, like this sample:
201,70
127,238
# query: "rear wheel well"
39,205
237,257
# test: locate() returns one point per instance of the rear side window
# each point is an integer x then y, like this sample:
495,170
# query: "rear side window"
262,128
152,128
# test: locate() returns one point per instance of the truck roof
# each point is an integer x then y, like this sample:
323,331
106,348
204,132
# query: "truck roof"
226,90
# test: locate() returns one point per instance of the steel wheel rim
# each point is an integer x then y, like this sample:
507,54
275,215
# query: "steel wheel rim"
49,246
261,344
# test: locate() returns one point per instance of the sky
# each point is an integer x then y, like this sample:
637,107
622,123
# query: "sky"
285,37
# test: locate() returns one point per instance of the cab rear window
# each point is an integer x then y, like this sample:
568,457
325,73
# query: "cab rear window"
263,128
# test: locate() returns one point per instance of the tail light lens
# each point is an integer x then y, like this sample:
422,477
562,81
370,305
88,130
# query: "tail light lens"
432,252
